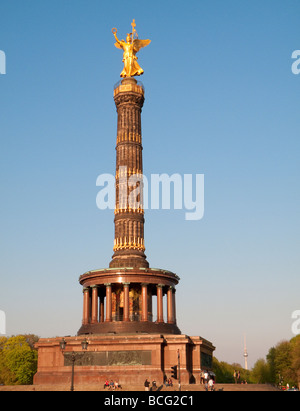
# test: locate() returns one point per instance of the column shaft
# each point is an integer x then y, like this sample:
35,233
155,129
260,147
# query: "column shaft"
101,314
160,314
94,305
170,306
144,302
108,303
126,302
86,306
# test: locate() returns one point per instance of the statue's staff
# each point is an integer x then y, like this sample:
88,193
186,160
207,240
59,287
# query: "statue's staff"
133,30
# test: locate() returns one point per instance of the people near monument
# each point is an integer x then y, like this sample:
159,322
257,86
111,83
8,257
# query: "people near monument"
147,384
211,384
111,385
206,376
106,384
168,382
202,377
154,387
235,376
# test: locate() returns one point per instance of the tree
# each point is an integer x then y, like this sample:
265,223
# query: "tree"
261,372
224,372
273,377
295,366
18,361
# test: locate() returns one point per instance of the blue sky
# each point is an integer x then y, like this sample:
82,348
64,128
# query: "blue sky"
221,100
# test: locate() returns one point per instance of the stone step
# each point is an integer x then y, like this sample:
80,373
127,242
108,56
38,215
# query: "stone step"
137,388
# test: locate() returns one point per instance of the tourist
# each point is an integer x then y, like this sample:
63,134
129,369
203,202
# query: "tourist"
111,385
106,384
147,384
235,376
170,382
211,384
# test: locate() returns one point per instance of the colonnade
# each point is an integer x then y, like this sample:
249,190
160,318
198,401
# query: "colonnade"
97,303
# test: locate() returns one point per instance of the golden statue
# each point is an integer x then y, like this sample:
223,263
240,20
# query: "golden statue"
130,47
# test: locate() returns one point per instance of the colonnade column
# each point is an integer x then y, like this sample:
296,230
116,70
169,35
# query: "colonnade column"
160,313
126,302
94,304
171,305
108,303
86,306
101,313
144,302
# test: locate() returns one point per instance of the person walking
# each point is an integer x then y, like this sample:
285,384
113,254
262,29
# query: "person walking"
211,384
147,384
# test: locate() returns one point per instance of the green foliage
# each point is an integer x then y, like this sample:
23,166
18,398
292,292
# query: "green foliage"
281,366
224,372
18,360
260,373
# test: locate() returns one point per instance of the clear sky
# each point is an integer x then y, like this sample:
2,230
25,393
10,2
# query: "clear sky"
221,100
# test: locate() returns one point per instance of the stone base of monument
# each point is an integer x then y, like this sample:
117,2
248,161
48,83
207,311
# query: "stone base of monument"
128,359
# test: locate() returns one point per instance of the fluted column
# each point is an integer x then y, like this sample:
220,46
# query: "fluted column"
108,303
101,313
86,306
170,305
174,306
129,247
126,302
160,313
144,302
94,304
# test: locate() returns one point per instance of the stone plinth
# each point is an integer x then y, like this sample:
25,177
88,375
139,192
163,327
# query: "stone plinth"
127,359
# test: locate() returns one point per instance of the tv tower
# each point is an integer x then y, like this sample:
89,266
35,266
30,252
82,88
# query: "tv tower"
245,353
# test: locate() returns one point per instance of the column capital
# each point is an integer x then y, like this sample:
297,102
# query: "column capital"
107,284
85,289
126,284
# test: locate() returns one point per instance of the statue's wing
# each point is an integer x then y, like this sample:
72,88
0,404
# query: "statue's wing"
118,46
139,44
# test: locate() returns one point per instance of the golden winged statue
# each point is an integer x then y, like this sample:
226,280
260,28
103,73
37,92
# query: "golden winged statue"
130,47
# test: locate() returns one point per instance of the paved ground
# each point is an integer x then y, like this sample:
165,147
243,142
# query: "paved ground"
218,387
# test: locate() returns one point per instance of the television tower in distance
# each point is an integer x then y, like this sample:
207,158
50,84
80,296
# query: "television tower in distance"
245,353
